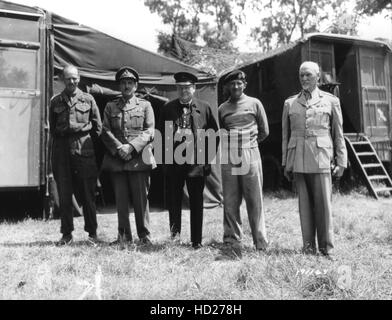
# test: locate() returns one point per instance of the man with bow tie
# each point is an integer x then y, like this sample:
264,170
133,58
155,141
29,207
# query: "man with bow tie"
313,144
185,155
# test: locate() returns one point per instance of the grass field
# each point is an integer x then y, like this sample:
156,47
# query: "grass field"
32,267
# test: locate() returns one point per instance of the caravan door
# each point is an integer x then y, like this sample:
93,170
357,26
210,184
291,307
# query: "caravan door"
376,99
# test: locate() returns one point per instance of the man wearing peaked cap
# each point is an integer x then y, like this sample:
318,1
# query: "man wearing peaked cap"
127,73
128,130
180,123
185,78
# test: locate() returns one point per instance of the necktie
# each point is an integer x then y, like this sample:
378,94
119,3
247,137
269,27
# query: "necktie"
308,95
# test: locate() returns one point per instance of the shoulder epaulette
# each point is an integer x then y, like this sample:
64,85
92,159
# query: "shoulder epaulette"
55,97
328,94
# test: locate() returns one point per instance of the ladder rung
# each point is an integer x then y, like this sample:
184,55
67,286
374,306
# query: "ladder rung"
383,189
360,143
378,177
372,165
365,154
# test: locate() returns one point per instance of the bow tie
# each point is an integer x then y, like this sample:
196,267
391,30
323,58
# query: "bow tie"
185,105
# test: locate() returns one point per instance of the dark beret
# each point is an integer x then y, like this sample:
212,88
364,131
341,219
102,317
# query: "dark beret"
127,73
235,75
185,78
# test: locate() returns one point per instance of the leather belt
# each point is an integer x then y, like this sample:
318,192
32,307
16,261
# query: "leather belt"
310,133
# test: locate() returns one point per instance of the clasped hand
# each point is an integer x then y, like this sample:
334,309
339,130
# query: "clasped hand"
125,152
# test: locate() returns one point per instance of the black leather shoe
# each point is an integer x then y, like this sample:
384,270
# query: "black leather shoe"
93,239
65,240
121,239
327,255
145,241
197,245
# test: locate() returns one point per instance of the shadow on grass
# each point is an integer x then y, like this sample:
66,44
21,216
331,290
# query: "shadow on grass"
229,252
41,244
150,248
83,243
282,251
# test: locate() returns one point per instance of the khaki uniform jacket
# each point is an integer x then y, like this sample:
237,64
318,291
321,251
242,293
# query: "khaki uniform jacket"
312,133
75,121
73,126
132,123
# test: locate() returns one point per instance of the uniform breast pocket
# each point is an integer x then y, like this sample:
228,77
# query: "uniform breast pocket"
82,113
322,116
136,119
61,113
115,121
293,115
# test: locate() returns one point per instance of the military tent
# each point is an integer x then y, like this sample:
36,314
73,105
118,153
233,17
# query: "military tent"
58,41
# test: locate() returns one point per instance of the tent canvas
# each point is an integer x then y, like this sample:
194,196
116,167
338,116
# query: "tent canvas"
98,56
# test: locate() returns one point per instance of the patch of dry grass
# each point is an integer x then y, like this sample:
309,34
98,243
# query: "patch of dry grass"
34,268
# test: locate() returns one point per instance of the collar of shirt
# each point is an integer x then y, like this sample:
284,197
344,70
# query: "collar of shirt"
310,95
124,102
242,97
72,99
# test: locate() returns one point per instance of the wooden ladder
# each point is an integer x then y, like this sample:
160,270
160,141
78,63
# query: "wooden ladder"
371,168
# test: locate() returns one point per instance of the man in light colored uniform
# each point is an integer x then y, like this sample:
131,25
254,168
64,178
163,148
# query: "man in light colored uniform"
128,130
245,121
313,142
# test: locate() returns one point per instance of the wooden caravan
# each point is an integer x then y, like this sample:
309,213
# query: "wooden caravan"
357,70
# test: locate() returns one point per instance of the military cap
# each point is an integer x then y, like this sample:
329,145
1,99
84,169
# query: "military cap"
235,75
185,78
127,73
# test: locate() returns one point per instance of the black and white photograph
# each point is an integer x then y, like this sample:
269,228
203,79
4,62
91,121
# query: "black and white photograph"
197,156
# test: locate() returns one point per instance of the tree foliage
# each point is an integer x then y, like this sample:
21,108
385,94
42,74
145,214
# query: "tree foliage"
372,7
214,21
289,19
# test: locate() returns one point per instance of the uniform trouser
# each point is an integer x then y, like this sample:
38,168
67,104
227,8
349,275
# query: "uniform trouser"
71,178
135,184
248,185
315,209
195,185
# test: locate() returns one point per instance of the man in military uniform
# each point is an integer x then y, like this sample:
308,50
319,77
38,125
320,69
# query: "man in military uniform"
74,121
184,118
245,121
128,130
312,142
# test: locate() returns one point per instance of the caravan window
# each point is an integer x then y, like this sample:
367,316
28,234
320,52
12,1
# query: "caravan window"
19,29
18,68
367,71
379,71
323,54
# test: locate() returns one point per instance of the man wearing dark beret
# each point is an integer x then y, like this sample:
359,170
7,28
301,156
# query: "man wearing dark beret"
245,121
180,123
128,130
